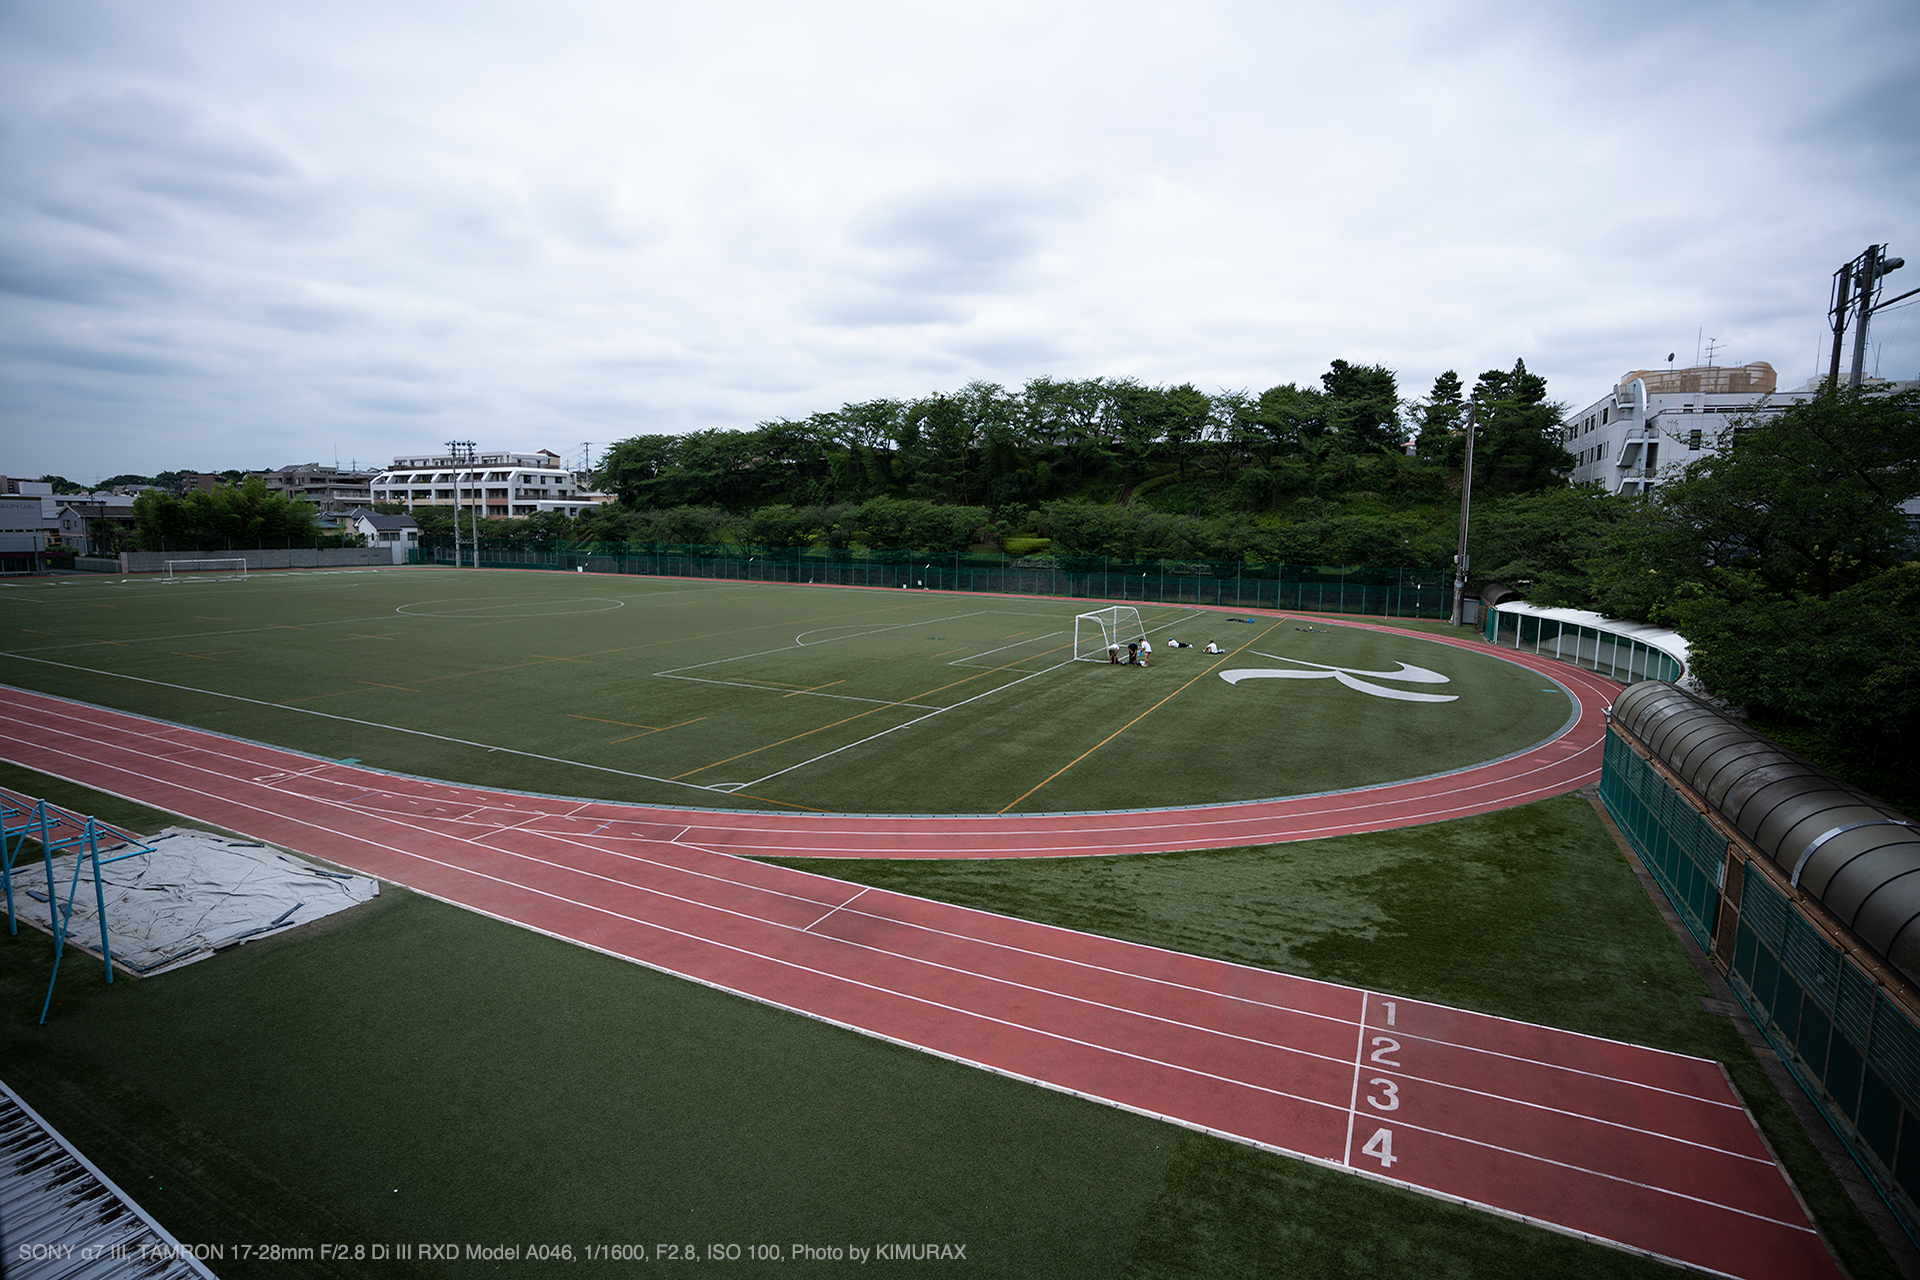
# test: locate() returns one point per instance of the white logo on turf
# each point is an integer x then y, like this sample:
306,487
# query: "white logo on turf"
1348,676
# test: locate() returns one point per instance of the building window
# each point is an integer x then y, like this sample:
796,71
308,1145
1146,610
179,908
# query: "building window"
1693,440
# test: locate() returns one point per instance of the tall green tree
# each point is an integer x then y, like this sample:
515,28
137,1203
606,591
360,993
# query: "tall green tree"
1363,407
1785,560
1442,419
1804,502
1517,446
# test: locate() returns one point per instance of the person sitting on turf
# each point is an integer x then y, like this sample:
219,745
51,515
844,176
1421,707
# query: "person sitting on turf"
1213,648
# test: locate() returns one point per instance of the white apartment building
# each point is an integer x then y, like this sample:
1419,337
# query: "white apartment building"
1654,422
497,484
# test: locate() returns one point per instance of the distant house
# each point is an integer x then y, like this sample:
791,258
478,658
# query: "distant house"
398,532
73,527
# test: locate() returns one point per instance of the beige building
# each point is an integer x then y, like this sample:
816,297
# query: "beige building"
330,489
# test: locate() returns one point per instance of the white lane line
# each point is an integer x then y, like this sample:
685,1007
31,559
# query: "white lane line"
1027,952
825,974
810,928
911,958
692,937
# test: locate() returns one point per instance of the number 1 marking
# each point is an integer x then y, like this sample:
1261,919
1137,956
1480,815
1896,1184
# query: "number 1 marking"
1390,1005
1380,1147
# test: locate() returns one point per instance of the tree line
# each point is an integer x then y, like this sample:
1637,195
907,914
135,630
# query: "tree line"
247,514
1107,440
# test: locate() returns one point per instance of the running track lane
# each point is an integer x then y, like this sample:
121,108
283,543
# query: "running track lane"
1645,1150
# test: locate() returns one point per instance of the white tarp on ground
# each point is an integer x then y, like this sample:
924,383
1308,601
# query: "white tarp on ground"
195,894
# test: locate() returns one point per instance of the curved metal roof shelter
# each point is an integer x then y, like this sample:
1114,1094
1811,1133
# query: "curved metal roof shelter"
1857,857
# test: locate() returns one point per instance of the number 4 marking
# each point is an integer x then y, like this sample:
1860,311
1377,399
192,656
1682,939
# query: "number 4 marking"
1380,1147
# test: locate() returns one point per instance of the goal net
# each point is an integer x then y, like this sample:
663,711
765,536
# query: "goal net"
1094,632
232,568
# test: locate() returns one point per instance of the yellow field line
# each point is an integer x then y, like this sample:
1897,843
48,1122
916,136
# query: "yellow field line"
652,644
1129,724
662,729
625,724
944,652
951,684
828,685
377,685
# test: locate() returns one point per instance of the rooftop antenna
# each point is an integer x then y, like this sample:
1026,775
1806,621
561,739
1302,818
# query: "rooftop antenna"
1670,365
1696,344
1713,349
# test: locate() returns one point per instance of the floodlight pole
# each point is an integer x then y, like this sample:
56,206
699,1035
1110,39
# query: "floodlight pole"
1466,509
462,451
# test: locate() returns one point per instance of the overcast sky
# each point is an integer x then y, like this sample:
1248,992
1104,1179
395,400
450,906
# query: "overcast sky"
236,234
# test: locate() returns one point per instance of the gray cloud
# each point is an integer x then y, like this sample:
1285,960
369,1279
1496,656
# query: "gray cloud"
356,221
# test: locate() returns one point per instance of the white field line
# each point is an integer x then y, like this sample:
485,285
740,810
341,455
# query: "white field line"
371,724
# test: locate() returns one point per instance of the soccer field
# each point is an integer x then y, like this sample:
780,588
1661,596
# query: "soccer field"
757,696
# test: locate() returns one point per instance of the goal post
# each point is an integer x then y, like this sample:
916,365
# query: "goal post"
1094,632
233,567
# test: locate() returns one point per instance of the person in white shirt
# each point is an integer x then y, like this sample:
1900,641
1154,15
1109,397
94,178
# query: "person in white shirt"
1213,648
1146,651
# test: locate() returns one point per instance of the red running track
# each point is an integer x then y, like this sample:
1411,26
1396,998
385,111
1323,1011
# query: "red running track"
1645,1150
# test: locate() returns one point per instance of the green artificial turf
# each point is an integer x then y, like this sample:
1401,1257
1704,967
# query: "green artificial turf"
758,695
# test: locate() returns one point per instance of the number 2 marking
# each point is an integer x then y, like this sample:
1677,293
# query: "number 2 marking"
1385,1045
1392,1090
1380,1147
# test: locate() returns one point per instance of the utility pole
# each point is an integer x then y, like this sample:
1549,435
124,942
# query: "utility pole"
1466,508
1856,289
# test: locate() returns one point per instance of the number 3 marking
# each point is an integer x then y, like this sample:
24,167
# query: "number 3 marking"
1384,1046
1392,1090
1380,1147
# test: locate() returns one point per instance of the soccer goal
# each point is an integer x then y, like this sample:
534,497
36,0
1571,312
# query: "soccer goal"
1094,632
179,570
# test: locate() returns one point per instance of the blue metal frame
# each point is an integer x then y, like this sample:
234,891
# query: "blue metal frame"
42,821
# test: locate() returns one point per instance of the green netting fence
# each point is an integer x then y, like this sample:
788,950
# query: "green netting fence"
1393,593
